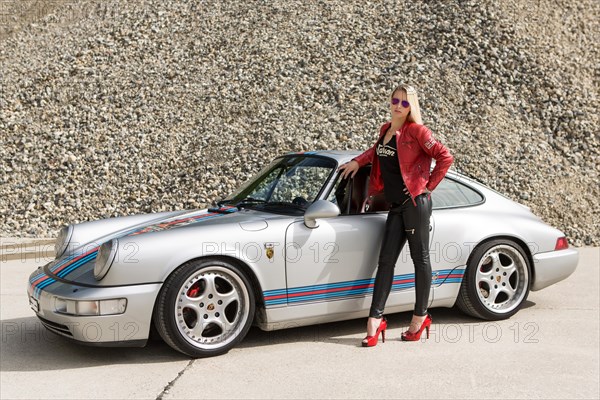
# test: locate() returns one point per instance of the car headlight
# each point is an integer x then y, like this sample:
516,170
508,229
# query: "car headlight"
62,240
104,259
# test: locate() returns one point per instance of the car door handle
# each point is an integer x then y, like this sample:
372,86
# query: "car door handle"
430,228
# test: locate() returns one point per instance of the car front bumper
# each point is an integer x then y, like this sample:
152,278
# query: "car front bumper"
128,329
553,266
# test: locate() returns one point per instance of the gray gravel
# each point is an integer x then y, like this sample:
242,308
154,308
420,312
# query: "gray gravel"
119,107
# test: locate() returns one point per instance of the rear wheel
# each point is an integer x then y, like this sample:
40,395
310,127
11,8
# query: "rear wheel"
205,308
496,282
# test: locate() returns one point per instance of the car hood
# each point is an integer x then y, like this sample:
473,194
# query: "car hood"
78,265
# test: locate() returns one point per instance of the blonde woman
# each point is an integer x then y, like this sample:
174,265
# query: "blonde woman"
401,161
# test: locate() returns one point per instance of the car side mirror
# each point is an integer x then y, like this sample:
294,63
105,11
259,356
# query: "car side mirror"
319,209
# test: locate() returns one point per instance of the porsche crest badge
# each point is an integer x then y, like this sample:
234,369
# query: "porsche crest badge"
270,252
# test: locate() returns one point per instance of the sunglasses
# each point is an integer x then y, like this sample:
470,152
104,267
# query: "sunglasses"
404,103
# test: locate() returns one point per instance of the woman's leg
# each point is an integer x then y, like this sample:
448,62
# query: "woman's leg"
394,238
416,226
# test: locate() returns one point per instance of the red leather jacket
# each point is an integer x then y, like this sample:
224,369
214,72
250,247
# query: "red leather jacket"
416,147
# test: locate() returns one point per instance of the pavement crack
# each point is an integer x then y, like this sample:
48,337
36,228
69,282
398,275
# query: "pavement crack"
171,383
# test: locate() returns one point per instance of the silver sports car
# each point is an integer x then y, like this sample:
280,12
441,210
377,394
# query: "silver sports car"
295,245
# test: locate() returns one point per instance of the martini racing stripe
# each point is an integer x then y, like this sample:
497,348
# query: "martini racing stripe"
77,264
69,264
448,276
72,262
349,289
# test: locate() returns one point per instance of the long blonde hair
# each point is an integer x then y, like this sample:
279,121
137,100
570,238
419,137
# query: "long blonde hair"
413,99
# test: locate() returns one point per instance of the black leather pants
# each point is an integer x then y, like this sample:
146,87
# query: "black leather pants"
405,222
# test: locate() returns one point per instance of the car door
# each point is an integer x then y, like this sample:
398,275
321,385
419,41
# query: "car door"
333,266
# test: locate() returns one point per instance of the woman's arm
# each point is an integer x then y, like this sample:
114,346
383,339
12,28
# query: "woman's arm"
350,168
366,157
435,150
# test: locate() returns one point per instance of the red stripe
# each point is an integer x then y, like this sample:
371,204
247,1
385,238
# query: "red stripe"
190,218
333,290
450,276
163,225
43,278
281,296
330,290
74,260
403,281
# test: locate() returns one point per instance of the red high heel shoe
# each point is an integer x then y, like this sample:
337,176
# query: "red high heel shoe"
414,336
372,340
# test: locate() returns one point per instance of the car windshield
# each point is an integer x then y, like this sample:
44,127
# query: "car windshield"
288,184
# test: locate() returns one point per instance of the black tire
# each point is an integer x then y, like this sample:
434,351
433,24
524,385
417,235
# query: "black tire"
213,293
497,281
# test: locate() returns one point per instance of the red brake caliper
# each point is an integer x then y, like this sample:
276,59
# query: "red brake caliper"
194,290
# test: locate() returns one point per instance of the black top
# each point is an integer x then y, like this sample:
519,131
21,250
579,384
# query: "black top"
393,184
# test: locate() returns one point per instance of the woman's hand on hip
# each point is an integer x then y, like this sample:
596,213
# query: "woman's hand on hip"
350,168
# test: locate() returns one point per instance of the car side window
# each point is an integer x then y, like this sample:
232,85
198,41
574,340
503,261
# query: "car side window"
334,193
350,194
451,193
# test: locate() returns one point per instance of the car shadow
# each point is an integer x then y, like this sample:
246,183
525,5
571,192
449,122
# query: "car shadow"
27,346
338,332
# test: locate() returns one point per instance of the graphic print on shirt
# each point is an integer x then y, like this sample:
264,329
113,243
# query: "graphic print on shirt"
385,150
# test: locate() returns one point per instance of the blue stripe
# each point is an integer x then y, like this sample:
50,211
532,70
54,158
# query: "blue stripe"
404,285
273,302
92,256
35,278
39,288
354,292
325,295
343,284
331,285
77,264
46,283
274,292
347,293
62,262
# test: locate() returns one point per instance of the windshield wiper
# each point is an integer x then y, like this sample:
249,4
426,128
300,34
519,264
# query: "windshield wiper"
248,201
284,204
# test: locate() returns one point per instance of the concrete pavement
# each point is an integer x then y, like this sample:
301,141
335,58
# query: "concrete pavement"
550,349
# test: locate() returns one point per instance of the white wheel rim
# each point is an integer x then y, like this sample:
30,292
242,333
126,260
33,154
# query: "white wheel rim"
502,279
212,307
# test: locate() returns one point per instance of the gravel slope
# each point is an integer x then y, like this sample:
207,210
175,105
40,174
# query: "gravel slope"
116,107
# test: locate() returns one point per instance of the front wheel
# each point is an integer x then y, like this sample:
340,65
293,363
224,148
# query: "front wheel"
205,308
496,282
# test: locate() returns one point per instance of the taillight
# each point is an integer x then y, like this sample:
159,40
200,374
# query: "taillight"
561,243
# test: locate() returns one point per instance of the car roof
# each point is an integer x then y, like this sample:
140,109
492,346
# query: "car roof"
343,156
